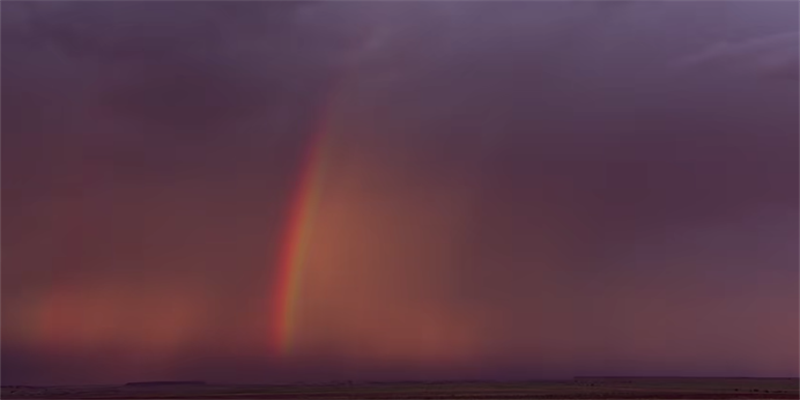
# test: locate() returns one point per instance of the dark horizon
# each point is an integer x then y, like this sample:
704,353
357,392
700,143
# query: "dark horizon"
279,191
405,381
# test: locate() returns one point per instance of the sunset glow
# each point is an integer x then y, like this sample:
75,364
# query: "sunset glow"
292,191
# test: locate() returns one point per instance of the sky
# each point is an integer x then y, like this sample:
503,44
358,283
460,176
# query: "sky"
295,191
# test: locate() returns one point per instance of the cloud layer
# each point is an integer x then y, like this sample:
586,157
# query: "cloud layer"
514,190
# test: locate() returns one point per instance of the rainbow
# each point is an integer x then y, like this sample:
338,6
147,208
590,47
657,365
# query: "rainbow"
303,209
300,227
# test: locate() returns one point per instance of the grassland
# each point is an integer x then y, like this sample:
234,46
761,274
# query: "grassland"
579,388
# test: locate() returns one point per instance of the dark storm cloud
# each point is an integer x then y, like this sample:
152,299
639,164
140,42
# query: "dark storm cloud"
115,118
110,107
524,173
152,84
583,144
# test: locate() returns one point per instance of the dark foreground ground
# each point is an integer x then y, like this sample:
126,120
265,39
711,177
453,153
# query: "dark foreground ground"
579,388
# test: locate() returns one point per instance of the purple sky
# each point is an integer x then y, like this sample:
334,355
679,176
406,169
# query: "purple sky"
515,190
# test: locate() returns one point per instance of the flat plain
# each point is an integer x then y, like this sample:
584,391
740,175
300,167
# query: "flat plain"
578,388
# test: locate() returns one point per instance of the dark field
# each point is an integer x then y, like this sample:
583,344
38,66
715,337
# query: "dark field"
579,388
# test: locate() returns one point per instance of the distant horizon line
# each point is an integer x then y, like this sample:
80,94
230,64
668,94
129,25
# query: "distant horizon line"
399,381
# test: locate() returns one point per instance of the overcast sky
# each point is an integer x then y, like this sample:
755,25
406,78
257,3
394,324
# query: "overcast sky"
513,190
